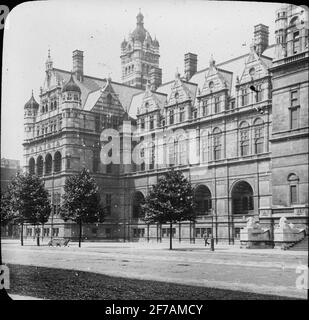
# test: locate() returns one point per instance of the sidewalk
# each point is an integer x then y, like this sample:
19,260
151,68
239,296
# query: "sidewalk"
19,297
164,245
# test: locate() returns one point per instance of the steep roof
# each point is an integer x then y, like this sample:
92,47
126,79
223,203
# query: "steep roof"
90,88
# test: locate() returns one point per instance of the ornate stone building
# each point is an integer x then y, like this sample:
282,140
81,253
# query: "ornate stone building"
237,129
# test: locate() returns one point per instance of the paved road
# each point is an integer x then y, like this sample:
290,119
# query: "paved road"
262,271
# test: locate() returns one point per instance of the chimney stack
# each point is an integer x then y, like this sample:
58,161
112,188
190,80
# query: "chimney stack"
78,64
190,65
155,78
261,38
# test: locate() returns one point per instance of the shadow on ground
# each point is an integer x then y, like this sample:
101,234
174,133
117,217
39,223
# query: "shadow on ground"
54,284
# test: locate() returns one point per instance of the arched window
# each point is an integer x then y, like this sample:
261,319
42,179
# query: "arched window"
32,166
202,197
57,162
48,164
258,136
217,144
39,163
138,199
293,186
242,198
244,139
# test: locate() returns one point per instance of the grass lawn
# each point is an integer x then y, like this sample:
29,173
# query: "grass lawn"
51,283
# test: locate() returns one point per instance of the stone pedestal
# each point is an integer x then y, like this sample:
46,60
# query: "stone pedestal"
254,236
286,234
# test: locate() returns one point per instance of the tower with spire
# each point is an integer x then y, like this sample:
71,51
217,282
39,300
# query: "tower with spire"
140,57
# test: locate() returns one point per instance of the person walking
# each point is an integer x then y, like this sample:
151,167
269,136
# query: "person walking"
205,237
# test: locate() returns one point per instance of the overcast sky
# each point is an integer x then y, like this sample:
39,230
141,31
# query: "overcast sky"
98,28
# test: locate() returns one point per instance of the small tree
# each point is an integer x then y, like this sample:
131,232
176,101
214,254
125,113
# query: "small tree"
26,200
81,200
170,201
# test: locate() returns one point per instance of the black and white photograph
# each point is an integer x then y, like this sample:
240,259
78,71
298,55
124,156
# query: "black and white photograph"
154,151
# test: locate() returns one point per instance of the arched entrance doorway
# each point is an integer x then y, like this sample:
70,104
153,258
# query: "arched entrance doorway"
32,166
138,199
202,196
242,198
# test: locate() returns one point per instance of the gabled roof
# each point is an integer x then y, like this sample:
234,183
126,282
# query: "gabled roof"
184,90
219,78
235,66
90,87
255,67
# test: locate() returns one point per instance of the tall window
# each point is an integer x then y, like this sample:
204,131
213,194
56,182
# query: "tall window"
142,123
294,98
182,151
151,122
48,163
217,104
181,114
258,93
258,136
142,154
40,162
293,188
296,42
171,153
244,97
294,115
293,194
244,139
152,156
204,147
68,161
96,160
205,108
32,166
171,116
217,136
57,159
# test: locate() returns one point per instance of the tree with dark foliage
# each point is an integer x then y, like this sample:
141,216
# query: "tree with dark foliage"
170,201
25,201
81,200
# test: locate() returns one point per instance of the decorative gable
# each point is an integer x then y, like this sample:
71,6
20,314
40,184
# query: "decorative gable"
179,92
215,79
255,68
106,98
150,101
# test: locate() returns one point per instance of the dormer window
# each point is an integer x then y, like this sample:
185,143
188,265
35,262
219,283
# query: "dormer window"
211,85
147,105
69,96
176,95
76,97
